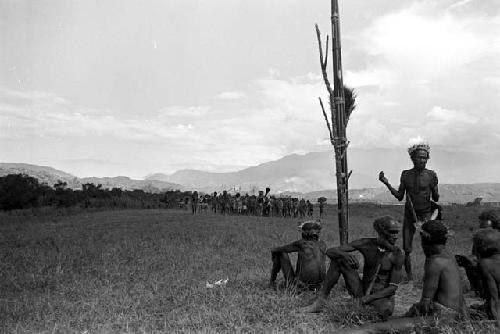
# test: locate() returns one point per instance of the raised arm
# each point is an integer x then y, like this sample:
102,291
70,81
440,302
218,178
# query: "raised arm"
290,248
400,193
492,290
432,273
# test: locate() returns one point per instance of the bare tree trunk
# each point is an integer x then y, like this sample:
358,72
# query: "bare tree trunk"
340,110
341,147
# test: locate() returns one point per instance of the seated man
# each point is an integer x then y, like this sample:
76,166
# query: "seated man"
442,292
310,270
488,220
381,273
487,246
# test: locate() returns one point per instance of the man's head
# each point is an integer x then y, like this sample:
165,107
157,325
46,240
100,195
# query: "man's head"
310,229
434,233
387,228
487,242
419,154
488,219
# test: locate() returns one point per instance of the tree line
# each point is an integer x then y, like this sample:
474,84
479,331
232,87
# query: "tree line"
21,191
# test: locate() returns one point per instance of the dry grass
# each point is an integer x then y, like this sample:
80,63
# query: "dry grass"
145,271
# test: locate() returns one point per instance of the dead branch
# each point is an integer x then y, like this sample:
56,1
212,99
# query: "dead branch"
326,54
350,102
326,119
322,61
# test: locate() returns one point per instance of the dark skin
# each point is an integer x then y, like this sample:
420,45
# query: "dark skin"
419,163
419,195
385,282
310,267
490,272
441,280
441,285
470,263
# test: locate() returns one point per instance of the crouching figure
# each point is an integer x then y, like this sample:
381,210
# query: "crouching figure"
487,246
310,269
442,296
383,262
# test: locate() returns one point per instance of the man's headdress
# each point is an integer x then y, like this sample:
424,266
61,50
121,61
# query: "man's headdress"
310,229
310,225
420,146
386,224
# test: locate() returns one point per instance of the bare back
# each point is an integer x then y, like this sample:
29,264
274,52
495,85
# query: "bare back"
311,267
442,279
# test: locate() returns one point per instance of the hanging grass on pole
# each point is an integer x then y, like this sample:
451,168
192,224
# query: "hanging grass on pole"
342,103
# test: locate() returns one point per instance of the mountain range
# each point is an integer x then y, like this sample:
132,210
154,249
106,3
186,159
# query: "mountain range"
51,176
463,176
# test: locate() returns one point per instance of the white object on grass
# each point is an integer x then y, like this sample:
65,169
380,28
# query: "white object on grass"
220,282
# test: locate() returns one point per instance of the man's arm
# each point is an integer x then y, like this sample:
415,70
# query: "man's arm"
394,279
290,248
492,290
342,252
434,187
432,273
400,193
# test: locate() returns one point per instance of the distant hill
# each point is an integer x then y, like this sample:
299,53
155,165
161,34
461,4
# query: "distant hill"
449,193
51,176
127,183
44,174
314,171
306,175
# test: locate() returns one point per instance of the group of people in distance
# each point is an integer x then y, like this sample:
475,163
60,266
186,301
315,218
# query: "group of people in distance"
442,294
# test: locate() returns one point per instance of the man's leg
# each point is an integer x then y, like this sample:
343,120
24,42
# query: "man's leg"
408,234
281,261
351,278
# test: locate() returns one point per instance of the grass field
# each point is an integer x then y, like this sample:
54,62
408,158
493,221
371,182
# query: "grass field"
145,271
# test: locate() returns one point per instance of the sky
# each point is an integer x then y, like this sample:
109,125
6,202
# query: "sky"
123,87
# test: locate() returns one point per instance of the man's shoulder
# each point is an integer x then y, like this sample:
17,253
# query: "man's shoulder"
398,255
300,242
364,242
442,260
431,172
396,250
406,171
489,262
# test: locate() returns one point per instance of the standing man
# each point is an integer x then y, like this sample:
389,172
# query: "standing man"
420,185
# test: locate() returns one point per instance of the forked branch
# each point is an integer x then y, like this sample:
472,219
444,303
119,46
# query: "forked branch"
323,60
326,119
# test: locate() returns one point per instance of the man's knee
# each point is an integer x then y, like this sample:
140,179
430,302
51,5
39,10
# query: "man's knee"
384,307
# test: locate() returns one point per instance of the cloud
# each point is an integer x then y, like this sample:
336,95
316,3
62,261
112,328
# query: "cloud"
425,71
429,70
232,95
40,114
183,111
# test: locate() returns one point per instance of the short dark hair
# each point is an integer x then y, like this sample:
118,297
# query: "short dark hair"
382,223
434,232
491,216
